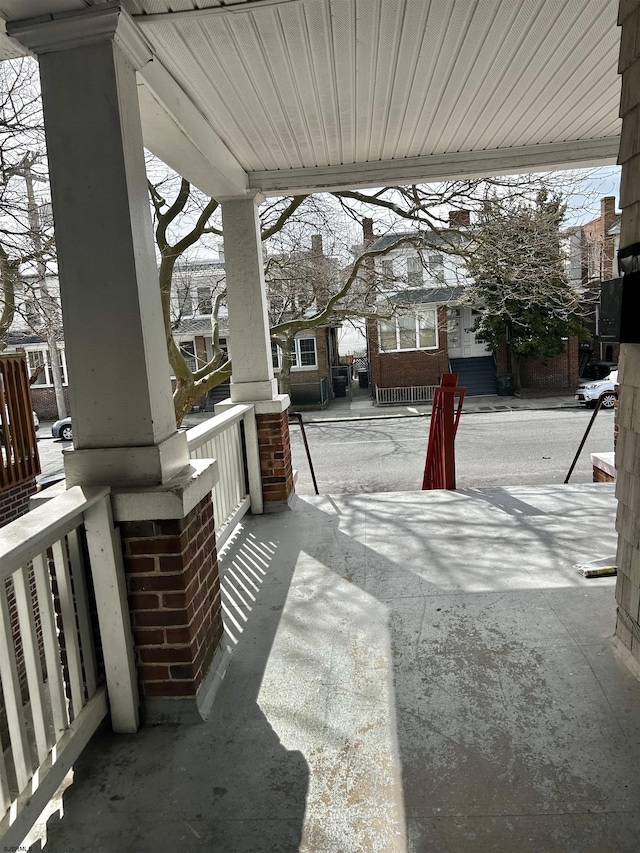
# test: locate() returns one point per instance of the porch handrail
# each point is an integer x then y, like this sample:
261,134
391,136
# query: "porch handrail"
33,533
232,439
53,700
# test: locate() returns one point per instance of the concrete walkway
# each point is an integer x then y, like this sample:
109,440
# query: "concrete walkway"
419,672
359,405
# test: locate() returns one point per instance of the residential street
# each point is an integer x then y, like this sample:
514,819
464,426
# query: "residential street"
515,447
501,448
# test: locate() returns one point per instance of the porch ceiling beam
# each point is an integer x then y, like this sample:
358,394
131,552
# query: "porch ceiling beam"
191,14
9,48
438,167
176,132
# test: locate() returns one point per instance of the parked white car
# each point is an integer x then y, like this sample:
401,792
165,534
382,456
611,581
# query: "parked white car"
590,392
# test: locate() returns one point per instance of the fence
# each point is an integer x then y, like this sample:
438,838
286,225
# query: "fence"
19,460
410,394
232,440
310,393
53,701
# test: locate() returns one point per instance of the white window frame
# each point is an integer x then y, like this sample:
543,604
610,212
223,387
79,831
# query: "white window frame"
201,298
277,355
48,374
417,315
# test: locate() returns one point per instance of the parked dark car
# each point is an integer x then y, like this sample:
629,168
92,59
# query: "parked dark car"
62,429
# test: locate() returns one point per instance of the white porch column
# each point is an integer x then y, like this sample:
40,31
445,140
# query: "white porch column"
249,340
124,426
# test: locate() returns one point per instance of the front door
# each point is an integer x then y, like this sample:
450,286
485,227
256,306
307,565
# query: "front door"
462,343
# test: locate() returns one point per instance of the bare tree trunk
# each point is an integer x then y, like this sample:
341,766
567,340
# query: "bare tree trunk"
286,349
50,309
56,373
516,364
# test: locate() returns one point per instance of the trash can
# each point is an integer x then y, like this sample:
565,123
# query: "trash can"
505,385
363,378
340,386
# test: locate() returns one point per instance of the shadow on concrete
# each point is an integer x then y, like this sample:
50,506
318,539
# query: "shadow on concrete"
418,671
222,785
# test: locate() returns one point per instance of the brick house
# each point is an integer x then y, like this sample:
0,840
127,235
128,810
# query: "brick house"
600,240
314,371
27,334
196,286
432,333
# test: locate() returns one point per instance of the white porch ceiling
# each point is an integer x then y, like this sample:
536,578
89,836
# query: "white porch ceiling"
313,94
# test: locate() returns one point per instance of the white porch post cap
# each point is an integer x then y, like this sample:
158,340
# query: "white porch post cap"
67,30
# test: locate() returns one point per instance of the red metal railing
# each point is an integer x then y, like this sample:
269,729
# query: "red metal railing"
19,460
440,467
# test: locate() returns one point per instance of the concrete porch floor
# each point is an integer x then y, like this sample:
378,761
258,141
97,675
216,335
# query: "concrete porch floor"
418,672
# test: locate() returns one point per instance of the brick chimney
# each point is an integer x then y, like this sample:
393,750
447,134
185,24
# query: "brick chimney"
608,211
316,245
367,231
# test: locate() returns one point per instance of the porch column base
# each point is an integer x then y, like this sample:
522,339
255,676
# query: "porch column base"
171,568
249,392
127,466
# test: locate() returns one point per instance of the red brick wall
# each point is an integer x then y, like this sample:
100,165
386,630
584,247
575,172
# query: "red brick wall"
174,600
14,502
600,476
44,401
502,360
414,367
275,456
555,373
595,233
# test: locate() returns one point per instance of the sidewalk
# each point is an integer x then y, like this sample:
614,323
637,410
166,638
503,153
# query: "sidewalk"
360,405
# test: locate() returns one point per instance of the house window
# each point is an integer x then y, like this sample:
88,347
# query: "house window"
414,271
275,356
387,270
188,350
304,354
204,300
39,363
409,332
436,268
185,302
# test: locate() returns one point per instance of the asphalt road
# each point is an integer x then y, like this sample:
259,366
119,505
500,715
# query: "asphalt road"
492,449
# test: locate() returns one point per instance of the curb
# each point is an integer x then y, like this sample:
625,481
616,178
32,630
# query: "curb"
352,418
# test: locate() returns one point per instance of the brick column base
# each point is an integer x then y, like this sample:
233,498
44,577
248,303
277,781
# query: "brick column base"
275,457
174,598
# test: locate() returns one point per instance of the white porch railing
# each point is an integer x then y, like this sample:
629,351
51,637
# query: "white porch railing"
52,703
411,394
232,439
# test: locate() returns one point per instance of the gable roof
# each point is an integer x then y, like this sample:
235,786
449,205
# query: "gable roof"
429,295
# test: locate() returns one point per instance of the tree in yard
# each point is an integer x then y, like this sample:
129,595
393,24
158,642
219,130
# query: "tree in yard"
27,246
306,289
520,286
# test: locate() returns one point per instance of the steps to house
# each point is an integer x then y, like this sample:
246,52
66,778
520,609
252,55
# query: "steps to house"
477,375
